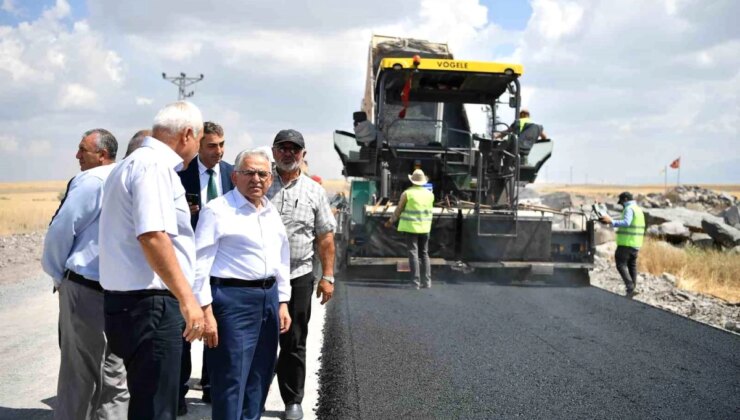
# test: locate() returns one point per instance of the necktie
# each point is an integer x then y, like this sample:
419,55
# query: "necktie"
212,190
61,203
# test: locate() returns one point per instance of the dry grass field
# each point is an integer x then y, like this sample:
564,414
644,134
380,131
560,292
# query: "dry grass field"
708,272
614,190
28,206
333,186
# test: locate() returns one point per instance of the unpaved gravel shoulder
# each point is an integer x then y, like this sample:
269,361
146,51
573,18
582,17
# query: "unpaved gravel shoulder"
661,292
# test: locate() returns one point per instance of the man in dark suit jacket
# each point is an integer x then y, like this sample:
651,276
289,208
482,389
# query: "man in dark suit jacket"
206,178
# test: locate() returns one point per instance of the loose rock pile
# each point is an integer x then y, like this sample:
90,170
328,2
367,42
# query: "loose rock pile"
661,292
682,216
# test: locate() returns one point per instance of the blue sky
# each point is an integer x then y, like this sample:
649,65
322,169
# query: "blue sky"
623,88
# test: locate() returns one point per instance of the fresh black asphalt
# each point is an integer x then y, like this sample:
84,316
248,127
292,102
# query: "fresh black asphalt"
474,349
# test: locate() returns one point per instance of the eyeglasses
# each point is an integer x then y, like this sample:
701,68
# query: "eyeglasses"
293,150
263,175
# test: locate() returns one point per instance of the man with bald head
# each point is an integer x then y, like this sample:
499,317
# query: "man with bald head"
147,252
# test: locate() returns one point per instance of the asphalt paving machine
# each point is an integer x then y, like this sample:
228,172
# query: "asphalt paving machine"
417,112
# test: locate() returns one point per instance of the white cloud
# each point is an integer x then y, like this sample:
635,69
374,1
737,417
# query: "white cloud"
39,148
8,144
8,6
60,10
602,76
77,96
556,19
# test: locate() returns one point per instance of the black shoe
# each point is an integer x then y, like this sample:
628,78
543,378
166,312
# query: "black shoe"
206,395
182,409
631,293
293,412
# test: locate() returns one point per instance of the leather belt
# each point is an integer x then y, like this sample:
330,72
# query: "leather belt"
76,278
261,283
141,293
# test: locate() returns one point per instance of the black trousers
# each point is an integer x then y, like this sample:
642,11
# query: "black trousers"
626,260
186,369
291,365
146,332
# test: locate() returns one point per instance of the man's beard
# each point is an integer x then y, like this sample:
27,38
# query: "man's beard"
287,167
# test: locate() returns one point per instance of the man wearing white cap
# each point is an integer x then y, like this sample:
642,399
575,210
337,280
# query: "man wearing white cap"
415,213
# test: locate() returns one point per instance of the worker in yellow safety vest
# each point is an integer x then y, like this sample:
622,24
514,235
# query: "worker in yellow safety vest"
527,135
630,234
414,212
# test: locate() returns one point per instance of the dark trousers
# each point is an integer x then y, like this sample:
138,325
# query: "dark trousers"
419,264
241,366
626,260
146,332
291,366
186,369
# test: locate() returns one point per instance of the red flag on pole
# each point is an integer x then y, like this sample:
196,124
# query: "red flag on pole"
676,163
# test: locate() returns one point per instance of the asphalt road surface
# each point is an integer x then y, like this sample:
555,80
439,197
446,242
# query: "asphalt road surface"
29,353
481,350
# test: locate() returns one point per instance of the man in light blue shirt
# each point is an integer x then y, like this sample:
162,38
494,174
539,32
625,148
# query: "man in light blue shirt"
92,381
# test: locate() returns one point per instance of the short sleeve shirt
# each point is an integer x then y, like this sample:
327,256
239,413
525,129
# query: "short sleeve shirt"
306,214
143,194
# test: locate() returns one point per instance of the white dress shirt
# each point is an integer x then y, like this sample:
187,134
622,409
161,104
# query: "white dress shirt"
71,243
143,194
205,177
236,240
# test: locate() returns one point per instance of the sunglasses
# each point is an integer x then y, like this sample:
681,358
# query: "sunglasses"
263,175
293,150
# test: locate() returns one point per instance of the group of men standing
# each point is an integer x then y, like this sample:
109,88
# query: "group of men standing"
171,245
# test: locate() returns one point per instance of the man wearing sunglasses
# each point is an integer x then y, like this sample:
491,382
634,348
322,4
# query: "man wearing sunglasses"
305,211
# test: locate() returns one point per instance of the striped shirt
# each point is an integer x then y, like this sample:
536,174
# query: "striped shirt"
306,214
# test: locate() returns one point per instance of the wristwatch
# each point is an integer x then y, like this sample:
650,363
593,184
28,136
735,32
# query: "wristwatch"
330,279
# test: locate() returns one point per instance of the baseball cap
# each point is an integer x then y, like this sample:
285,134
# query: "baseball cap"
289,136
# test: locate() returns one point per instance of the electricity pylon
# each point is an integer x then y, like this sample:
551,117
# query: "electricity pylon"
182,81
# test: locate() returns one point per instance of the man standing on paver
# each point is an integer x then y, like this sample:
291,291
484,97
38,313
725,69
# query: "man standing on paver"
308,219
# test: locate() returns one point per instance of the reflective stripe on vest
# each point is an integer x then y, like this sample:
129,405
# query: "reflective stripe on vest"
416,216
632,235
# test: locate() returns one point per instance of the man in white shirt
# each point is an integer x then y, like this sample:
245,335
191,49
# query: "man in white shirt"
147,252
207,177
92,381
244,254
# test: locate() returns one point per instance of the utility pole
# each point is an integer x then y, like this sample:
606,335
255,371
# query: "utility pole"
182,81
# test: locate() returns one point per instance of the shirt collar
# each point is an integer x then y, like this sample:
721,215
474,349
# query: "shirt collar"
241,201
276,175
202,168
172,159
